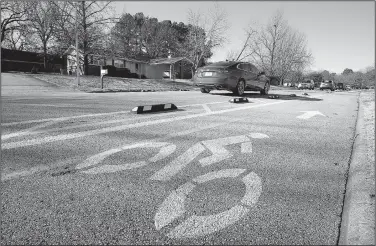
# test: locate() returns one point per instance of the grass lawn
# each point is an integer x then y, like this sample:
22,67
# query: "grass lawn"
115,84
92,84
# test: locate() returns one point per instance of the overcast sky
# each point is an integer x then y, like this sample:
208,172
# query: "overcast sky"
340,34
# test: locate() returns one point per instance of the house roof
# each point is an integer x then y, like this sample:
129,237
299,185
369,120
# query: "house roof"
172,60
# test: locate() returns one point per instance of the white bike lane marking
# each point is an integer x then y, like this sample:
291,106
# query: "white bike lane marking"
173,206
163,153
27,172
219,153
62,137
195,226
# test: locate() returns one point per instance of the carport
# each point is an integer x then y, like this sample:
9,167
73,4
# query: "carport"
182,62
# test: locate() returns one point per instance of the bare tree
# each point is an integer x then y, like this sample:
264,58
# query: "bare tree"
278,49
13,13
206,32
232,55
42,21
245,51
94,18
19,39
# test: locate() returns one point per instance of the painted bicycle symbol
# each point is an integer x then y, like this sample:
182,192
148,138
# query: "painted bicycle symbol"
173,206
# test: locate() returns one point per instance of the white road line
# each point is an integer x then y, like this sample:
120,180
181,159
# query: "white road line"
255,99
29,131
89,115
258,135
63,118
193,105
50,105
207,109
50,139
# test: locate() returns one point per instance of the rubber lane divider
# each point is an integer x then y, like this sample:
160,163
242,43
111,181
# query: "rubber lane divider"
154,108
273,97
239,100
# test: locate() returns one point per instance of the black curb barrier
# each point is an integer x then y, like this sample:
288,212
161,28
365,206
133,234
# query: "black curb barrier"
239,100
154,108
292,95
273,97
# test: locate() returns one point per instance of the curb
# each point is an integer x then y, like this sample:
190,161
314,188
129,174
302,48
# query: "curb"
358,223
154,108
239,100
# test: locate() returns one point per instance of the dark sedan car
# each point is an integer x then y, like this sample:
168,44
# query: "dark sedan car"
233,76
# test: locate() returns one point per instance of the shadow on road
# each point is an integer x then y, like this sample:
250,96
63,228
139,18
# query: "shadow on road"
280,96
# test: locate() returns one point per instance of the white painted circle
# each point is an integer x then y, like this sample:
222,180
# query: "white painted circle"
173,206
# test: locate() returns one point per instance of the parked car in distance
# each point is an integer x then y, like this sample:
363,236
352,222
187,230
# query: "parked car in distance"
340,86
233,76
327,84
308,84
348,87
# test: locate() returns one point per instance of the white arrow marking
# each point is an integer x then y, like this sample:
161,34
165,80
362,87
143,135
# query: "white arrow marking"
309,114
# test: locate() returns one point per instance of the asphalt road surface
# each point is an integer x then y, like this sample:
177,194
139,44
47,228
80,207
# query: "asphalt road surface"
80,168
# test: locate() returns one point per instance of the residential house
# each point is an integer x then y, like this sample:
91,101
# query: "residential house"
177,67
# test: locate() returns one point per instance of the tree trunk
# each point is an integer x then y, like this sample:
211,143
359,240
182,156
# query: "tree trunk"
86,60
2,34
45,55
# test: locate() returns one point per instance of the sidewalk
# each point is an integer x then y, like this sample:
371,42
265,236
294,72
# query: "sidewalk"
358,217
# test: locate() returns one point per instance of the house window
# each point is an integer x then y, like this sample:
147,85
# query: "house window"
136,66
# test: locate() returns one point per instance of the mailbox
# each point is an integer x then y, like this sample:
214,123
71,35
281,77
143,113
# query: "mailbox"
104,71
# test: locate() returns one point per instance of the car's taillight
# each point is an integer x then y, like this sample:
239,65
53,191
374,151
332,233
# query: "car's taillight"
198,72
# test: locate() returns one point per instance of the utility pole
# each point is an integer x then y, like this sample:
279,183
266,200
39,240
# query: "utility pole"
77,51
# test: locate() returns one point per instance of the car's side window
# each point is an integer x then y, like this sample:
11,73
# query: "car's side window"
246,67
241,66
254,69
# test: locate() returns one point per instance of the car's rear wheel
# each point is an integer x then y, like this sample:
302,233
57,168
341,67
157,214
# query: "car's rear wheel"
265,91
239,90
204,90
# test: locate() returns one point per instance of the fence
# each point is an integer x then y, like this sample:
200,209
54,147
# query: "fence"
24,61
